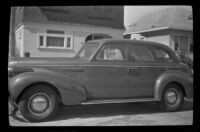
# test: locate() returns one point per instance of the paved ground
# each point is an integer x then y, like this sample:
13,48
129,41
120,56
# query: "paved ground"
126,114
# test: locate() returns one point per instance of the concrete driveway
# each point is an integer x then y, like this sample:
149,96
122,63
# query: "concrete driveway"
127,114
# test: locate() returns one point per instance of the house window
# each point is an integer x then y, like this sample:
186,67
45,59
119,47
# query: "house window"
55,32
183,43
191,44
55,39
68,42
19,8
95,37
41,40
176,43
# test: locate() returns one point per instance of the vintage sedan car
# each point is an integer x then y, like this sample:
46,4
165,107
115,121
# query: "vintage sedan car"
103,71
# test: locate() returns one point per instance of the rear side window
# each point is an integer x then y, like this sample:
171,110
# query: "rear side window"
161,55
140,53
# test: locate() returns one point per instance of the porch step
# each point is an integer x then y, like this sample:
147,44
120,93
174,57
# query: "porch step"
104,101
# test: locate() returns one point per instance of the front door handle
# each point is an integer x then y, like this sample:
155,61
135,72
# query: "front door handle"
133,68
132,71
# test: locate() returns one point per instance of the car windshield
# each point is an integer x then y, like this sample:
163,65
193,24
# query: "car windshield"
87,50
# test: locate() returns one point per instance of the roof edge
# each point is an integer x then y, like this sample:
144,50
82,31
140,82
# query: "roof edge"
147,30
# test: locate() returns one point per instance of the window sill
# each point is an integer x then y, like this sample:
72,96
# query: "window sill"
61,49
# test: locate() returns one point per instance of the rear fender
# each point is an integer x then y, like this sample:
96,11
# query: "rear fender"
177,77
70,90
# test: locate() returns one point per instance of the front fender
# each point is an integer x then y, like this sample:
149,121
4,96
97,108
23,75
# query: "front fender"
71,91
178,77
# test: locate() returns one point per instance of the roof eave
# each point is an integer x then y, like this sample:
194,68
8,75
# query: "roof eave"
147,30
157,29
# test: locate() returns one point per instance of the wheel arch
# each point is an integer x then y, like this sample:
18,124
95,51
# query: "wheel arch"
40,83
177,83
169,78
70,91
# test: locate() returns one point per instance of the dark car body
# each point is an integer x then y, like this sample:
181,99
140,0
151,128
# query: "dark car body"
86,80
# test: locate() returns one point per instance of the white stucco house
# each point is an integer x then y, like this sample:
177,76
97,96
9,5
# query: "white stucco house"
172,26
59,31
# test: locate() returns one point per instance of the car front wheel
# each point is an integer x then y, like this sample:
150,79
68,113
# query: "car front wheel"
38,103
172,98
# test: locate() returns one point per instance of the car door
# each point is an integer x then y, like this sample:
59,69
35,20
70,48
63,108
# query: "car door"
107,76
141,71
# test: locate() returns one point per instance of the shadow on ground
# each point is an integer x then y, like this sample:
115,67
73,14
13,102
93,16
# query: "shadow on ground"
106,110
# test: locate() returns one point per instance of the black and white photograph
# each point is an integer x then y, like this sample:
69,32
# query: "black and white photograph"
100,65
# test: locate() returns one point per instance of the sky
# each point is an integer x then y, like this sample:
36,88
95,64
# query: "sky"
133,13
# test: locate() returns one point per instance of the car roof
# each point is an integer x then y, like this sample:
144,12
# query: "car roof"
101,41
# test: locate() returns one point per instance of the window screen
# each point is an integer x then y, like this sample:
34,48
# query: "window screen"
55,41
176,43
41,41
191,44
184,41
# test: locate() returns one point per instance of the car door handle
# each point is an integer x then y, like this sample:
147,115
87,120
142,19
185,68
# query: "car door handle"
132,70
75,69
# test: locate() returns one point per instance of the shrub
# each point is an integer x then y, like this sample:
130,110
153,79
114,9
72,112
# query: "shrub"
184,58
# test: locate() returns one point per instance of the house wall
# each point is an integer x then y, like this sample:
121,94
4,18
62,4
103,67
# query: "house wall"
161,36
166,36
78,32
185,45
164,39
178,32
19,39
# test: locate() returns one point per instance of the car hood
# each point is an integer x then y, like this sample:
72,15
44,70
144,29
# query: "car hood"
45,61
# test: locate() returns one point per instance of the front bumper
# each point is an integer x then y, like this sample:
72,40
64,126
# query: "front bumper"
187,83
189,99
8,87
12,102
13,107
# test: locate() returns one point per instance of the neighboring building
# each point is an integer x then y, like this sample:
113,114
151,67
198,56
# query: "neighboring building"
137,37
172,26
59,31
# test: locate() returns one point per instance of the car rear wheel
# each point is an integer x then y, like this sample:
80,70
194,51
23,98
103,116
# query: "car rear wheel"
172,98
38,103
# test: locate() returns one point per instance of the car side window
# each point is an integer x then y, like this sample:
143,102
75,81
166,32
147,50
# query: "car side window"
140,53
112,52
161,55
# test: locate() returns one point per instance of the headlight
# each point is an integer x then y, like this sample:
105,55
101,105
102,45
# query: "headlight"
10,68
190,71
13,71
10,71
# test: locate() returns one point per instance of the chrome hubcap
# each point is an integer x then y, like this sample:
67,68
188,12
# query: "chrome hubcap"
39,102
171,96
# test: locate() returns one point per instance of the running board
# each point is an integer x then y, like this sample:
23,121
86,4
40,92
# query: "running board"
105,101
